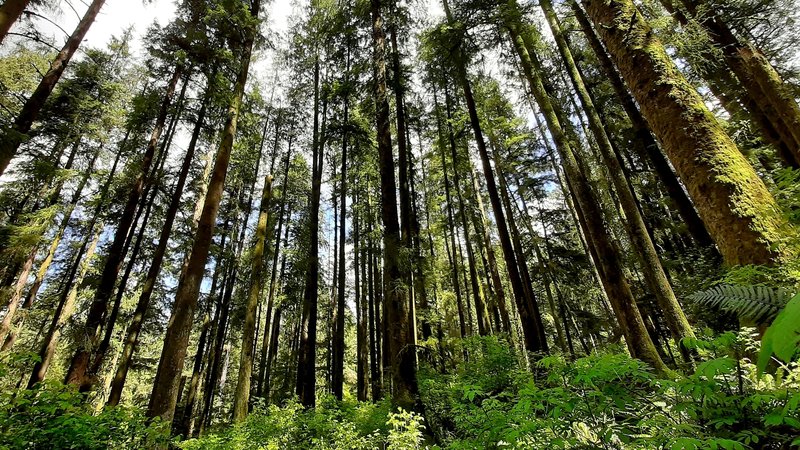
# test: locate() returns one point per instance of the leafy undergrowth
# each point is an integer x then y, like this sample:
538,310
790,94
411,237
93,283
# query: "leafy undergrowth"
603,401
54,416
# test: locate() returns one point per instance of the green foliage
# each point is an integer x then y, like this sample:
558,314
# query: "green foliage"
331,425
782,338
612,401
56,416
758,304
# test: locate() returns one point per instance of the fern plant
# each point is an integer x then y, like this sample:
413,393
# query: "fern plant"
758,304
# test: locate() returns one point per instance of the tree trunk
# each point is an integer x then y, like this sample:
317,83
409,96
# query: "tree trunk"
17,133
78,373
605,253
740,213
305,386
143,303
165,390
534,341
633,222
396,299
241,396
337,377
10,12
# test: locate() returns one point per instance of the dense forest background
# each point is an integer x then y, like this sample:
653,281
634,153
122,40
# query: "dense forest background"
401,224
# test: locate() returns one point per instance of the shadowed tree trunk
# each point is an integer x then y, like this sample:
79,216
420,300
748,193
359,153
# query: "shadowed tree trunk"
399,331
10,12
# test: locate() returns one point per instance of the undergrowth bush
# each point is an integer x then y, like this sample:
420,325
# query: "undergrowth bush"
611,401
331,425
55,416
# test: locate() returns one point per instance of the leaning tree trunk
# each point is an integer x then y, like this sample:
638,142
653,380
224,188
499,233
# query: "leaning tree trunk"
588,208
649,262
165,388
143,303
734,203
16,134
79,373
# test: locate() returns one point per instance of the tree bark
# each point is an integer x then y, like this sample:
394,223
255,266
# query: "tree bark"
399,332
633,222
241,396
10,12
740,213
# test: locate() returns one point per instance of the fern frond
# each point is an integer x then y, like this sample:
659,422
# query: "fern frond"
759,304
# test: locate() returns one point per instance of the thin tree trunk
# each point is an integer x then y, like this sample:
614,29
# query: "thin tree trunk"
241,396
649,262
534,335
79,373
305,386
589,210
337,377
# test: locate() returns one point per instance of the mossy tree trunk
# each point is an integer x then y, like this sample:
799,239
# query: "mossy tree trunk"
734,203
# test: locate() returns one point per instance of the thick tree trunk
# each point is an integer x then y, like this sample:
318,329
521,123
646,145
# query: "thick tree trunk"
399,331
10,12
16,134
740,213
143,303
176,341
661,165
633,222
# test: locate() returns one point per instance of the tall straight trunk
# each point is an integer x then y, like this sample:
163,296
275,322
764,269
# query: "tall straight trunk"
143,303
449,208
16,133
10,12
337,377
165,390
283,215
362,347
649,262
591,218
399,331
491,259
241,396
376,376
645,137
305,386
78,373
534,335
740,213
